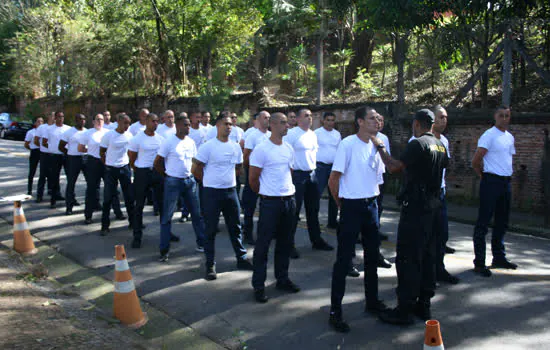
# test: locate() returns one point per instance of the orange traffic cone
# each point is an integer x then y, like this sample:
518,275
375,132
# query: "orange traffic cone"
126,303
22,239
432,336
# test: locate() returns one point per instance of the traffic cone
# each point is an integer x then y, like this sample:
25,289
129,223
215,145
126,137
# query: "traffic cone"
126,302
432,336
22,239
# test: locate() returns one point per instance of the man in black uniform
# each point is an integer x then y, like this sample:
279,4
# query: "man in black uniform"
423,162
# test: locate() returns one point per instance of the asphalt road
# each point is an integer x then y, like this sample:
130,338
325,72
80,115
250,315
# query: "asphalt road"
510,310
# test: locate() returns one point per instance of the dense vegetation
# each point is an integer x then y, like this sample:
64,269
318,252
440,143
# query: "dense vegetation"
418,51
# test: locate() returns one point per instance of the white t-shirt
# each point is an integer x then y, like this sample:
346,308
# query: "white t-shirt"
136,128
220,159
445,143
197,135
382,169
178,156
146,148
117,148
328,142
249,131
72,137
255,138
165,131
53,134
500,149
91,138
276,161
29,137
206,127
111,126
236,134
305,148
359,163
41,133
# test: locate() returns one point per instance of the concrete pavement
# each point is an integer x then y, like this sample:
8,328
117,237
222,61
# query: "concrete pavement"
511,310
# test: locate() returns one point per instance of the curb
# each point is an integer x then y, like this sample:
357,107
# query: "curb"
162,331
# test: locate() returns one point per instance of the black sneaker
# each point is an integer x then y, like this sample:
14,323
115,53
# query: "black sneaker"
449,250
76,204
259,295
396,316
156,213
210,273
504,264
337,323
383,262
447,278
322,245
164,256
121,217
422,311
52,205
287,286
383,236
294,254
353,272
136,243
174,238
104,232
68,212
482,271
376,307
88,221
243,264
59,198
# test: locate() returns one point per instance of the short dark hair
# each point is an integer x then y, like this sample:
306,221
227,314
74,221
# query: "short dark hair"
204,112
501,108
361,113
151,115
223,115
59,113
121,116
80,115
328,114
182,116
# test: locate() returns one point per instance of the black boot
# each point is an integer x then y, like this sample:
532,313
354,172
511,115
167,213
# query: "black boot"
422,310
337,323
399,316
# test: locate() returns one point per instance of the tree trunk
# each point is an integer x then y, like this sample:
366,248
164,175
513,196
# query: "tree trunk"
507,72
163,50
401,41
320,55
486,43
362,46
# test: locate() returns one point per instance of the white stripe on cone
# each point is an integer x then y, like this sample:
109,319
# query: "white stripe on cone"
124,287
121,265
22,226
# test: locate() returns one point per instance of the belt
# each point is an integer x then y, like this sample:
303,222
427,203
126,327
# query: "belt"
303,171
504,178
323,163
179,178
281,198
368,200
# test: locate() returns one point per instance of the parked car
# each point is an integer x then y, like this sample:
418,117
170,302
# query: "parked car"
16,131
5,122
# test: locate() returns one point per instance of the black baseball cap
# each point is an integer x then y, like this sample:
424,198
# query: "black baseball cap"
425,115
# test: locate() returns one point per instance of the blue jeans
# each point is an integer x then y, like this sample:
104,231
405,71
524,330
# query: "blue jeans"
96,171
226,202
112,177
323,173
75,165
442,233
174,188
275,222
356,216
308,192
249,205
145,180
494,198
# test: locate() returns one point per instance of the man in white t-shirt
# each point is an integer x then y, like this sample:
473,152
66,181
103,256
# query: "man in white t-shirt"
250,197
493,163
140,124
215,165
196,133
34,157
354,186
291,119
205,121
142,152
174,161
328,139
75,160
108,124
89,143
168,128
45,162
271,165
236,134
304,143
114,154
50,139
250,129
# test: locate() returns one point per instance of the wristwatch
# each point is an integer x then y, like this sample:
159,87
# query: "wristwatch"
381,146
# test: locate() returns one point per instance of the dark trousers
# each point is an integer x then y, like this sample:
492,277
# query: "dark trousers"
380,201
494,198
356,216
275,222
308,192
45,165
112,177
34,159
416,250
442,234
96,172
249,205
322,174
224,201
145,180
75,165
57,162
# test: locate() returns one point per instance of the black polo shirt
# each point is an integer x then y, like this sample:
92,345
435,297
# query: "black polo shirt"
424,158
